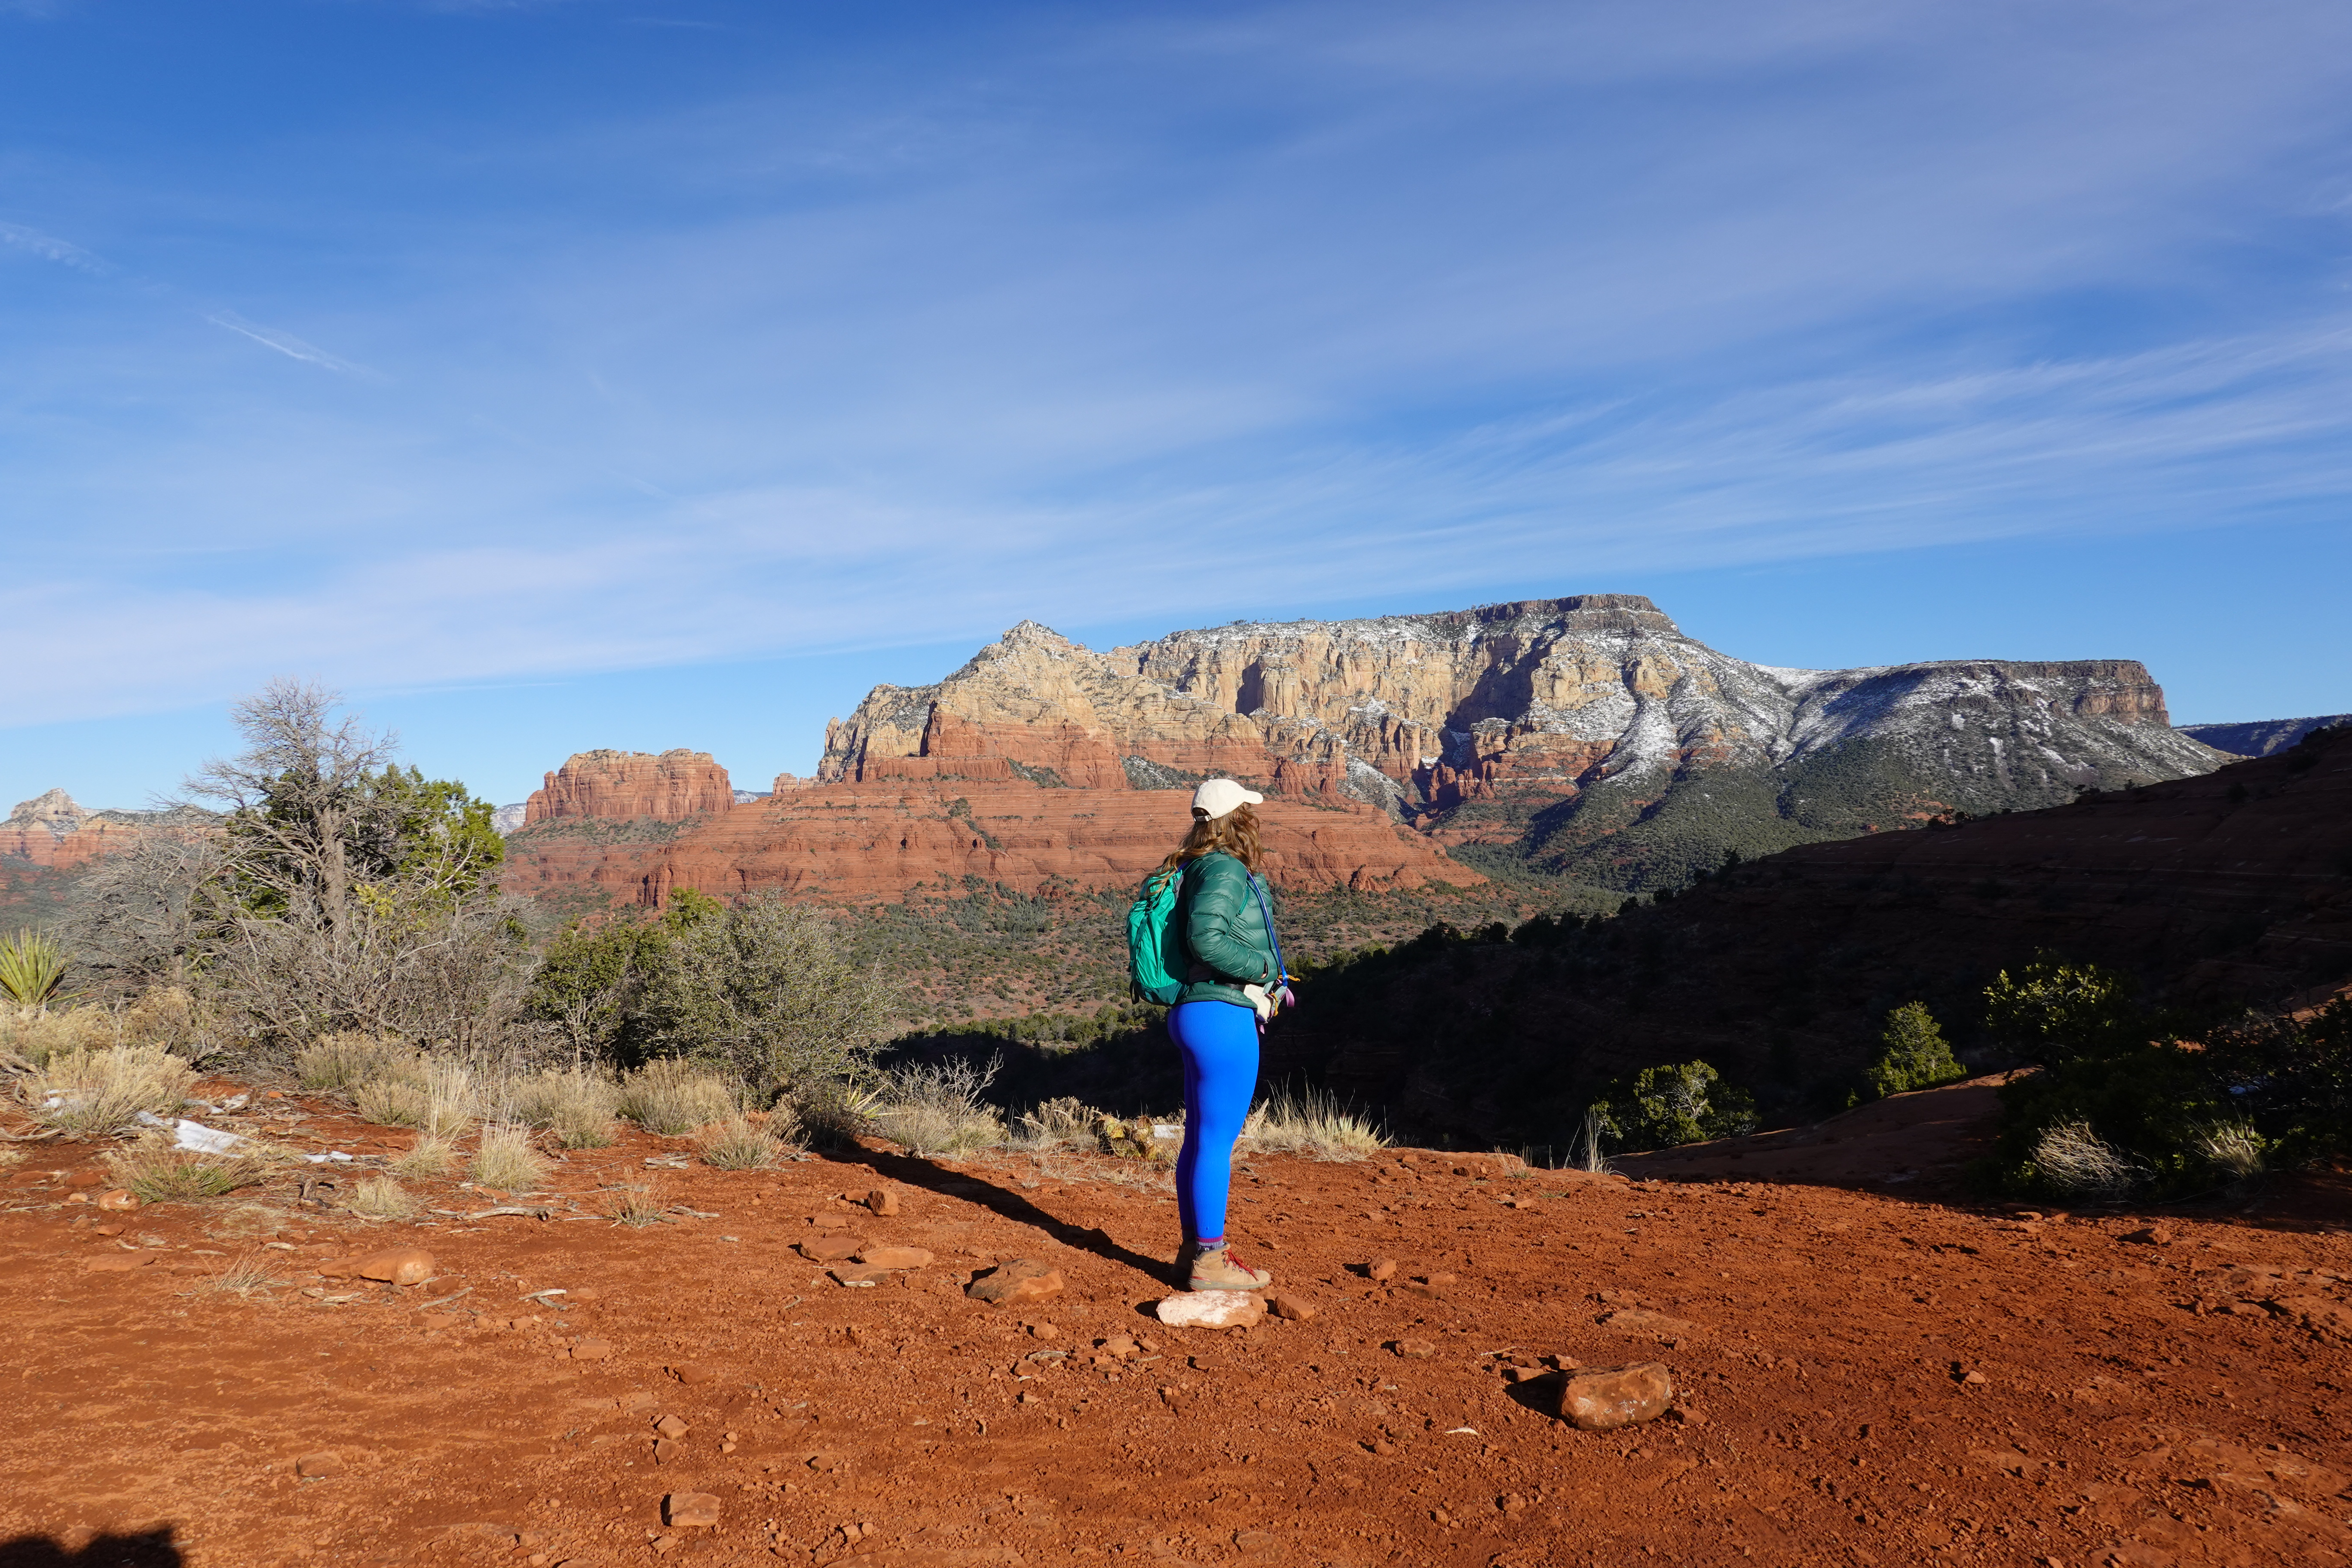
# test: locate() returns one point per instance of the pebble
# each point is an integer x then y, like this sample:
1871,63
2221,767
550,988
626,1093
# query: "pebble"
1212,1309
592,1350
119,1199
1414,1350
397,1265
684,1510
119,1262
858,1275
664,1450
1021,1279
692,1375
315,1466
671,1426
1290,1305
1383,1272
894,1257
1603,1398
883,1202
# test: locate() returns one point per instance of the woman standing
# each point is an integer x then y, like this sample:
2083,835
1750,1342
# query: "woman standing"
1233,980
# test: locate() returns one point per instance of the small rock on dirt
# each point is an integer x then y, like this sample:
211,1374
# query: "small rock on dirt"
1021,1279
832,1249
1384,1270
1414,1350
85,1179
894,1257
317,1466
883,1202
119,1199
592,1350
685,1510
119,1262
691,1376
397,1265
1603,1398
1212,1309
1289,1304
671,1426
2150,1235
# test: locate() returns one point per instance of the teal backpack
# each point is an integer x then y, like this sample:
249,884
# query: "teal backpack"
1152,944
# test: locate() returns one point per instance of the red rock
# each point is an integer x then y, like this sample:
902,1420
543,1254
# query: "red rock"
2150,1235
1289,1304
1021,1279
832,1249
85,1179
1440,1280
690,1509
1414,1350
1603,1398
858,1275
118,1199
586,1296
671,787
883,1202
691,1376
119,1262
592,1350
894,1257
397,1266
671,1426
317,1465
664,1450
1384,1270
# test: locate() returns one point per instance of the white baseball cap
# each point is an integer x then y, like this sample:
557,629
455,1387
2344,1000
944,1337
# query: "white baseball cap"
1218,796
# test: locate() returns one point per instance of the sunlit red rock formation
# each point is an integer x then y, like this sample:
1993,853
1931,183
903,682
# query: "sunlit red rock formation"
670,787
56,832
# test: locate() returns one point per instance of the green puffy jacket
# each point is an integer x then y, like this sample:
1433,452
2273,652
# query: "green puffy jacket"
1226,943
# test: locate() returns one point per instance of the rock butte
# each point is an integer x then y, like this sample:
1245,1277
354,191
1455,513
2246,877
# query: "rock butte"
1042,763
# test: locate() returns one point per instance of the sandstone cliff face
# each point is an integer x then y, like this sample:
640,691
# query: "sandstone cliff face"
1556,730
56,832
670,787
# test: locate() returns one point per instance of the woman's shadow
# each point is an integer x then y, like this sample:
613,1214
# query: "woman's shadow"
148,1548
918,1171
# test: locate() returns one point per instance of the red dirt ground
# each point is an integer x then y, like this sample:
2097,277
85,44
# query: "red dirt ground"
2139,1404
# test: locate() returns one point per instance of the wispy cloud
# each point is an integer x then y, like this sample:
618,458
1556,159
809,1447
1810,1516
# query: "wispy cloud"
287,344
49,247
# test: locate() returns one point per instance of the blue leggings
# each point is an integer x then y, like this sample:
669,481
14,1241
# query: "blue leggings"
1219,1040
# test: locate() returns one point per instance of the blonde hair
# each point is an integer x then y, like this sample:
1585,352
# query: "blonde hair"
1235,832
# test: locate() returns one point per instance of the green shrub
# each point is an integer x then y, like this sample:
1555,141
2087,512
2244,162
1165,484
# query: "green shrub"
1913,1053
2054,1011
1686,1103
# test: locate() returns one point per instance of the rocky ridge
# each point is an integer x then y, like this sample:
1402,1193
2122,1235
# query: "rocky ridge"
55,831
1543,727
2260,737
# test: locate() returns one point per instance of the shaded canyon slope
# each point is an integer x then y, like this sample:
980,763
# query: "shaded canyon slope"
2216,892
1584,737
2260,737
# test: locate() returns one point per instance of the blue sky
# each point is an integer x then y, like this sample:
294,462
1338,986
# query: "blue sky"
568,374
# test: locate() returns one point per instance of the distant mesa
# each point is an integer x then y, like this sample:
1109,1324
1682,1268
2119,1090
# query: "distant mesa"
1582,737
2260,737
56,831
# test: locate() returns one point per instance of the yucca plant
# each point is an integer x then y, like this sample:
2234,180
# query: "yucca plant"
32,967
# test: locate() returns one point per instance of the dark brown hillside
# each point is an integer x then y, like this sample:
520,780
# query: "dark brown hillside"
2216,892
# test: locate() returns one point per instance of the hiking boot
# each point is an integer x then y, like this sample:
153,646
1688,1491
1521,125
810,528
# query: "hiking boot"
1216,1269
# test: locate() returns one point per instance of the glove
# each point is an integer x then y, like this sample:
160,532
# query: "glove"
1259,1000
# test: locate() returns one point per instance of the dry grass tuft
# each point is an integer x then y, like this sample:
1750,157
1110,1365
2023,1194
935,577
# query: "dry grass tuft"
159,1173
738,1144
505,1160
381,1197
2232,1148
638,1204
577,1106
935,1108
241,1276
347,1060
94,1093
390,1102
674,1097
1314,1122
428,1156
2079,1163
1063,1123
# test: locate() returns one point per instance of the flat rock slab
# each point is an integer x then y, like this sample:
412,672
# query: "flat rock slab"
1603,1398
119,1262
1021,1279
1212,1309
832,1249
691,1509
395,1266
894,1257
